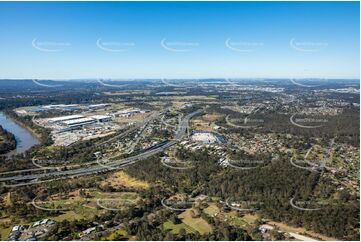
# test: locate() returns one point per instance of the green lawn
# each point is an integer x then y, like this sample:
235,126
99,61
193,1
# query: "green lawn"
211,210
79,207
69,216
116,233
175,228
4,233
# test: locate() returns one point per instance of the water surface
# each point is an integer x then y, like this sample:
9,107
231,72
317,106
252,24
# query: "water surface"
24,138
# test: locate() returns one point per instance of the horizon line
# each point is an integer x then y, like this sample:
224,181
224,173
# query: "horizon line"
159,78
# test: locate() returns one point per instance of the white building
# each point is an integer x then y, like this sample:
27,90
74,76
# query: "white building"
78,122
65,118
101,118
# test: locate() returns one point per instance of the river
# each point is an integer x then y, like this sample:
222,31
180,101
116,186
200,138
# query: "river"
24,138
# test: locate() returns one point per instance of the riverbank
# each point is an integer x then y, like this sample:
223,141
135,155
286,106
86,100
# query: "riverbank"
24,124
25,138
7,141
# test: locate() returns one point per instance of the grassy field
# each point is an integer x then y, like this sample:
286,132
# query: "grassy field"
69,216
211,210
122,179
4,233
231,217
206,122
49,150
175,228
198,224
132,119
115,234
74,206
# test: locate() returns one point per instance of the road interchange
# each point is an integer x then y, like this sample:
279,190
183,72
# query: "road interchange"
95,169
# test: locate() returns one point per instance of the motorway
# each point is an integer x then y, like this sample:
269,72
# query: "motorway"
181,131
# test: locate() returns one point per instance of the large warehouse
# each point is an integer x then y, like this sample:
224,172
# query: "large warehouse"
78,122
64,118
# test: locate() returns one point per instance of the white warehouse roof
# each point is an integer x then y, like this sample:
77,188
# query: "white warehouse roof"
63,118
99,117
78,121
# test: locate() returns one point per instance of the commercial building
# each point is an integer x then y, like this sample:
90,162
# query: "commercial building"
127,112
64,118
97,106
74,123
101,118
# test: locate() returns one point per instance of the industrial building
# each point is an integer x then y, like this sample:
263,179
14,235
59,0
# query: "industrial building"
65,118
74,123
71,122
62,107
102,118
127,112
98,106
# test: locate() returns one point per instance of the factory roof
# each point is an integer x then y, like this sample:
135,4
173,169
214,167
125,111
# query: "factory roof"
64,118
98,117
78,121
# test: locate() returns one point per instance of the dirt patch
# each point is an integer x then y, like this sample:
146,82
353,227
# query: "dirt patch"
206,122
122,179
197,223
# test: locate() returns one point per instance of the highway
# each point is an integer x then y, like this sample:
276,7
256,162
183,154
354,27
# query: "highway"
181,131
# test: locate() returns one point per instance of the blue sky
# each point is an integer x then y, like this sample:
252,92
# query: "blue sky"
61,40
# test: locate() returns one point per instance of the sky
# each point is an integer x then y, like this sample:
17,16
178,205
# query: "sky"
127,40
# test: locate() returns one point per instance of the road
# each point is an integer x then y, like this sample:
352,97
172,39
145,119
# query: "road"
184,124
181,131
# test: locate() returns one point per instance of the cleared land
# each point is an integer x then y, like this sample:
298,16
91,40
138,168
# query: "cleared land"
198,224
206,122
122,179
